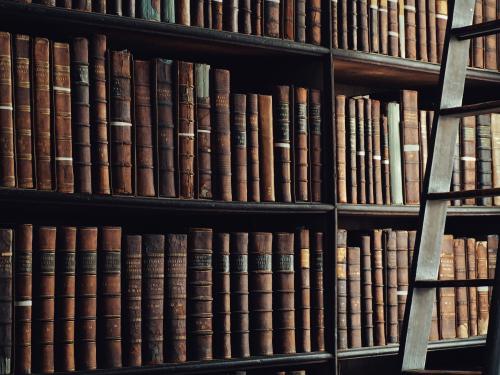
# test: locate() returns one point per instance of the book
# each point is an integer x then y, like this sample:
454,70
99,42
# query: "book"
432,34
482,291
368,157
470,249
99,6
478,43
412,238
197,10
253,149
257,17
342,293
455,178
183,12
392,7
266,154
239,148
271,16
340,127
230,15
168,11
114,7
402,28
386,163
441,21
301,139
447,298
149,9
373,21
245,17
354,297
377,152
281,137
402,272
352,174
313,26
492,242
287,23
128,8
422,30
461,293
317,303
410,147
6,298
490,41
495,154
300,21
222,296
392,286
352,13
383,27
377,266
468,155
423,144
483,155
366,292
83,5
395,154
217,14
410,29
315,142
363,30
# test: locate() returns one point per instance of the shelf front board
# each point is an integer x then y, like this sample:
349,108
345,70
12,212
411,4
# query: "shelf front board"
411,211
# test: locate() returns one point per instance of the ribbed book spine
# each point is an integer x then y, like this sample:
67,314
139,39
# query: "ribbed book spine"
316,151
257,26
431,27
392,7
222,297
410,147
217,13
402,272
354,298
379,308
342,331
230,15
395,159
302,148
495,154
302,258
386,166
6,299
383,28
253,149
421,30
368,129
478,43
366,290
300,21
352,172
483,150
373,13
317,303
288,27
441,21
472,291
482,291
239,148
245,17
392,286
281,137
361,151
462,321
446,305
266,153
377,153
272,18
492,259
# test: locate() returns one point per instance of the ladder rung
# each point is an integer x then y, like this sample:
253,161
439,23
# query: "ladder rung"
472,109
448,195
477,30
453,283
441,372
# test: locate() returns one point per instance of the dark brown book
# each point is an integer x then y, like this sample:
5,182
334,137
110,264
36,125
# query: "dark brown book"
183,12
410,29
377,153
239,147
271,17
478,43
386,173
143,129
175,297
129,9
6,300
353,297
199,293
240,323
402,271
165,113
471,291
42,118
284,293
266,154
446,305
392,286
366,290
316,141
257,19
369,162
261,293
317,303
340,126
363,29
230,15
207,13
99,6
361,151
383,28
392,10
342,294
114,7
245,17
80,108
377,262
421,30
197,10
482,291
441,21
432,31
373,13
109,297
483,156
411,154
490,41
253,148
351,146
84,5
86,299
303,286
44,268
300,21
222,297
222,135
302,147
99,116
281,136
492,259
46,2
22,114
461,293
121,122
468,155
288,19
217,15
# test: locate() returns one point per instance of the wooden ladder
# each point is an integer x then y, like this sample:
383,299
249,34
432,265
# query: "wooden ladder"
436,194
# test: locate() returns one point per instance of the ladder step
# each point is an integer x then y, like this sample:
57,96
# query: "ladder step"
448,195
441,372
453,283
477,30
472,109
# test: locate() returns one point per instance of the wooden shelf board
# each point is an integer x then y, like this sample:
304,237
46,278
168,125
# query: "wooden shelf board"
400,211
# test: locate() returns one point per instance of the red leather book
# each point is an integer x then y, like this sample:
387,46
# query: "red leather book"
402,272
6,300
217,15
271,18
410,29
253,149
183,12
392,8
490,41
281,136
288,24
303,289
317,303
302,148
422,30
441,21
363,30
222,297
313,27
266,154
477,44
239,147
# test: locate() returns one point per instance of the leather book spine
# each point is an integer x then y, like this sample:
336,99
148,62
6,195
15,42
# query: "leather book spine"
478,43
446,305
455,179
44,284
386,167
207,12
99,116
261,293
109,297
121,122
183,12
83,5
288,23
369,162
6,300
423,142
410,29
245,17
441,21
354,297
351,136
472,291
284,293
153,281
114,7
99,6
317,303
239,147
203,131
222,135
64,4
197,9
461,293
483,155
411,148
175,297
129,8
482,291
392,286
80,108
168,11
199,293
402,272
377,261
302,147
361,151
366,290
422,30
272,18
23,269
363,29
316,138
143,129
395,157
257,21
253,148
303,288
392,8
377,152
432,31
402,28
222,297
266,154
43,134
22,114
300,21
342,27
86,299
165,111
373,14
281,137
342,329
51,3
313,27
240,323
230,15
383,27
217,15
490,41
492,259
495,154
412,237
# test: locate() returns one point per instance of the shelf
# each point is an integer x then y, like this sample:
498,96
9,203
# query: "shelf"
405,211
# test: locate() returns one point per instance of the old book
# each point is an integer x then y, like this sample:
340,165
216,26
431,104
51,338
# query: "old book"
257,19
366,290
86,299
461,293
271,16
423,143
316,141
342,294
490,41
369,162
317,303
99,6
22,114
44,269
121,122
207,12
166,138
392,7
352,21
422,30
303,288
478,43
441,21
402,28
492,259
342,27
199,293
482,291
284,293
361,150
313,26
386,166
175,297
455,178
383,27
402,272
340,128
185,133
412,238
168,11
288,20
114,7
240,323
149,9
392,286
300,21
363,29
377,153
6,300
468,155
410,29
377,265
432,31
302,150
373,14
410,146
446,305
197,9
230,15
99,115
245,17
222,296
253,149
239,147
42,118
183,12
266,154
217,15
351,136
495,154
261,293
483,155
203,131
281,136
84,5
354,297
109,297
470,249
129,8
222,135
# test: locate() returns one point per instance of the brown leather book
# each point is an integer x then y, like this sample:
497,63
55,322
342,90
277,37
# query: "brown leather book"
197,10
441,21
143,129
239,147
99,6
432,31
114,7
203,131
175,297
217,15
316,152
65,299
461,293
284,293
6,298
43,134
363,29
377,152
257,19
423,143
121,122
183,12
392,286
207,13
153,271
317,303
22,114
369,162
165,110
478,43
109,297
44,269
240,324
383,27
492,259
266,154
99,116
483,155
222,135
352,174
271,18
354,297
186,136
150,7
23,298
83,5
392,8
482,291
342,293
446,301
222,297
471,291
303,288
377,263
361,151
86,298
313,27
281,136
468,155
253,148
411,148
366,290
342,27
261,293
412,237
386,170
302,148
245,17
490,41
230,15
402,272
410,29
421,30
300,21
288,19
340,127
373,13
199,293
80,108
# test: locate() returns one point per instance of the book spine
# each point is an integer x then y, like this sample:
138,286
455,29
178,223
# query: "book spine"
6,300
482,291
432,31
478,43
168,11
490,41
423,142
222,297
303,287
410,29
208,13
361,151
288,20
402,272
392,7
302,149
114,7
313,27
316,151
217,15
386,167
483,150
354,297
245,17
411,148
83,5
340,127
412,237
441,21
446,305
367,295
422,30
281,137
377,262
492,259
352,12
461,293
402,28
342,294
392,287
149,9
266,154
377,152
230,15
129,8
395,153
183,12
352,177
472,291
197,9
369,162
495,154
239,147
253,148
317,303
455,179
373,14
363,31
300,21
383,27
99,6
257,20
272,18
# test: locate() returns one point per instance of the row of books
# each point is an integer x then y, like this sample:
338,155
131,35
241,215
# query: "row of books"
79,118
88,297
298,20
382,151
372,285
